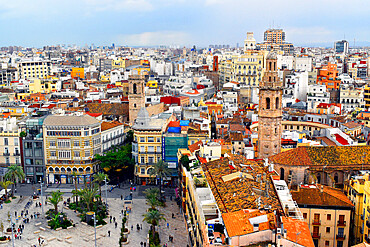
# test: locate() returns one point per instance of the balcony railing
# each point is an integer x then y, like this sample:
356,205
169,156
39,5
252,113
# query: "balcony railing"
16,154
316,235
341,237
6,154
316,222
341,223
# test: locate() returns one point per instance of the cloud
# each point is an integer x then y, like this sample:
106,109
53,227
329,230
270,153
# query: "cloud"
312,35
155,38
119,5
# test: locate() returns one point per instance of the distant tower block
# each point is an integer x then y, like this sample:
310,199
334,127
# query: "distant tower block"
249,42
270,110
136,96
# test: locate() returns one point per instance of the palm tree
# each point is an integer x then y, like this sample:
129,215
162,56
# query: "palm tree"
75,174
153,217
160,170
15,173
55,198
152,196
99,178
5,185
88,195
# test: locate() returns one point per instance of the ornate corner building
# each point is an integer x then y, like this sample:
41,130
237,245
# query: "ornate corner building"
270,110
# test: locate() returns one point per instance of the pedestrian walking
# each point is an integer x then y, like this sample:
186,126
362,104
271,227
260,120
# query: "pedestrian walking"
141,226
108,233
173,215
1,206
121,197
39,241
110,219
168,225
141,243
132,227
114,219
144,244
15,213
115,224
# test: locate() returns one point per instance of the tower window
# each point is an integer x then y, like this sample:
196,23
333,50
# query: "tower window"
267,103
277,103
134,89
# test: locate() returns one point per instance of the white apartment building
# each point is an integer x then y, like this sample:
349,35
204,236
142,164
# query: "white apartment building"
317,94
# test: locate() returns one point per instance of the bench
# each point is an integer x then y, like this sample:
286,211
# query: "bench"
51,239
58,229
38,224
42,229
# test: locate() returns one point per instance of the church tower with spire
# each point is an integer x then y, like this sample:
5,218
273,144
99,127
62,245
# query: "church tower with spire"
270,110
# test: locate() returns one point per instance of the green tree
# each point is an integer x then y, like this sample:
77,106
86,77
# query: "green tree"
23,134
153,217
5,185
55,198
129,136
87,195
99,179
14,173
184,160
160,170
152,197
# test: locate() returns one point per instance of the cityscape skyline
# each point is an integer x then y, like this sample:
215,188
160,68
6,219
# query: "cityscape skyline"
184,23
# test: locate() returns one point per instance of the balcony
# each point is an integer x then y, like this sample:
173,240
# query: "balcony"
316,235
341,237
16,154
316,222
341,223
6,154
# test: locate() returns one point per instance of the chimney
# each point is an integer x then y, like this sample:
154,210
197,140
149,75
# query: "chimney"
322,188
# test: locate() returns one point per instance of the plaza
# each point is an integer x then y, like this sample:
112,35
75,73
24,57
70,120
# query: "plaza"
84,235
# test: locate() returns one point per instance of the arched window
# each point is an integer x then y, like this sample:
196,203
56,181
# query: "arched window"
277,102
134,89
63,170
88,169
274,66
50,169
270,65
269,78
57,169
267,103
68,169
80,169
282,173
75,169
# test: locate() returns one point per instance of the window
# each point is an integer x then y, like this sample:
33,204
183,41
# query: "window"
328,217
305,215
327,243
142,149
142,160
277,103
76,143
64,154
151,159
267,103
158,139
87,143
142,139
6,141
86,133
150,139
328,229
142,170
16,141
53,153
340,244
52,143
316,217
7,160
87,153
76,153
150,148
63,143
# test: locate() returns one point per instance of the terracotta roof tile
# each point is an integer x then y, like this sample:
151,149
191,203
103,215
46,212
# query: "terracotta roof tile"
293,227
109,125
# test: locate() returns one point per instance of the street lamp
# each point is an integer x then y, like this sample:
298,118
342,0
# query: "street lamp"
95,228
42,202
106,192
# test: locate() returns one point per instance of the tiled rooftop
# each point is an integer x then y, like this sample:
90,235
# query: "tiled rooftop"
238,223
326,197
241,192
293,227
333,157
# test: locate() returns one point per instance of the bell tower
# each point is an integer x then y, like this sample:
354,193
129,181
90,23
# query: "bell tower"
269,110
136,96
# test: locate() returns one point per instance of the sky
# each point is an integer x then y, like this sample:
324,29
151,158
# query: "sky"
35,23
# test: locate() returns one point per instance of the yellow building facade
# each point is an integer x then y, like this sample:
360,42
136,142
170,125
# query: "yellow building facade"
70,144
34,69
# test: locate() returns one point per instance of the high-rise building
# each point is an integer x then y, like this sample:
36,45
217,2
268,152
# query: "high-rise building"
341,47
270,110
274,40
